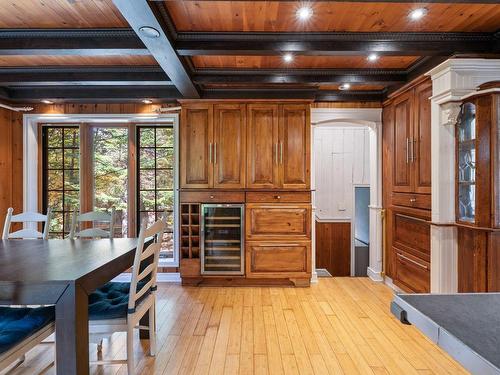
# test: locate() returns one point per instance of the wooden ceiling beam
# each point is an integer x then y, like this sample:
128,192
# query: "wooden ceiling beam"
93,93
335,43
139,14
83,42
83,76
304,76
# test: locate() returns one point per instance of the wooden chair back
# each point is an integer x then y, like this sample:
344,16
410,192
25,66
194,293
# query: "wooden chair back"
147,274
26,217
92,216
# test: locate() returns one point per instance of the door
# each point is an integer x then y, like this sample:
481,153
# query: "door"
294,149
402,171
196,146
229,146
262,146
422,139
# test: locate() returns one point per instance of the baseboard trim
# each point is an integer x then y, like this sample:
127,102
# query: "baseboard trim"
375,276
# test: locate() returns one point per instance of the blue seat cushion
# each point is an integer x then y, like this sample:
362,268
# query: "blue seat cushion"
18,323
110,301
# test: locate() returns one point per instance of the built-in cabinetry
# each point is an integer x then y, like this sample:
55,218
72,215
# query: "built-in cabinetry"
478,191
407,186
258,155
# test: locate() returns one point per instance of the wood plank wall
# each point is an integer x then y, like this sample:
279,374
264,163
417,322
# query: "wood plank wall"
333,247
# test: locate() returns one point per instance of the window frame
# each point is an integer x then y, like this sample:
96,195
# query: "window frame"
85,168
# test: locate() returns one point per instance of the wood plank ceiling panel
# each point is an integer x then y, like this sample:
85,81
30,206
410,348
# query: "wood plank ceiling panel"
19,14
73,60
353,87
279,16
317,62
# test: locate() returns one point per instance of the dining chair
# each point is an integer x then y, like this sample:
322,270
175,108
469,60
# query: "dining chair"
94,232
119,307
26,217
21,329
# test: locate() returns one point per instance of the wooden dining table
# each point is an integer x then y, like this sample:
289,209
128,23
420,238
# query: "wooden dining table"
63,273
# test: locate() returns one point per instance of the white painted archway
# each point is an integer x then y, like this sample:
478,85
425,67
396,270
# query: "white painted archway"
356,117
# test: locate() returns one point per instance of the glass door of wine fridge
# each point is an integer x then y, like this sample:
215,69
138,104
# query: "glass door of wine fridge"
222,239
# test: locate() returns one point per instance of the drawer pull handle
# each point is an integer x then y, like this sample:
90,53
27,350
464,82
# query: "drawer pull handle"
212,197
413,261
413,200
277,197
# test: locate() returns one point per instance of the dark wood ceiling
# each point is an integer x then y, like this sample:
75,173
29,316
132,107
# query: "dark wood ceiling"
232,49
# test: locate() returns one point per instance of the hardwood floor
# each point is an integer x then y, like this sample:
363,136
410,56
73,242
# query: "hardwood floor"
338,326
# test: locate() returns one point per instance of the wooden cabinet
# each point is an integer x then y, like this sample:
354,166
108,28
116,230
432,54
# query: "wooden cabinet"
275,259
477,191
229,143
262,146
196,130
294,149
213,142
278,221
406,150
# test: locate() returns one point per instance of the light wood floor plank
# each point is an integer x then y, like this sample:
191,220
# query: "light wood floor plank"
337,326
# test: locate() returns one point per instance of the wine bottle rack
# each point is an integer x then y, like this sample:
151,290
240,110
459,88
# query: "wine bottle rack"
190,231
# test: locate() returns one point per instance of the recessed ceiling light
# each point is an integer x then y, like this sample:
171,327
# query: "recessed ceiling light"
345,86
149,32
47,101
147,101
304,13
418,13
372,57
288,57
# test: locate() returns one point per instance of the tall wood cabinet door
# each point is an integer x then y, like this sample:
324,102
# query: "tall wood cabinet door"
422,139
262,146
196,168
402,170
229,146
295,146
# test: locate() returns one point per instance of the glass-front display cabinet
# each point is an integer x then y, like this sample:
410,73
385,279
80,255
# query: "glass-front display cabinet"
478,158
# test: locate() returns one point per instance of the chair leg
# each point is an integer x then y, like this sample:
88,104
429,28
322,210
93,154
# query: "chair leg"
130,351
152,330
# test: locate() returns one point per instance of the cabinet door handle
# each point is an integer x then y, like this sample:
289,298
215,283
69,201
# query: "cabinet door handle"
276,152
215,153
281,152
407,150
210,153
413,261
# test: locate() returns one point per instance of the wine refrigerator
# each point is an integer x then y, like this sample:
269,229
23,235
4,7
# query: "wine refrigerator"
222,239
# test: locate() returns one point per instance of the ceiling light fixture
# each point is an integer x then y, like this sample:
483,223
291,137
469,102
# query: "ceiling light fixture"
47,101
418,13
304,13
345,86
147,101
288,57
372,57
149,32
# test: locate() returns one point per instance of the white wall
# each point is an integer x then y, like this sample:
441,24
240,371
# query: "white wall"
341,156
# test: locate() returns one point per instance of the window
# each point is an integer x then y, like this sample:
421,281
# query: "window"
140,188
155,189
61,177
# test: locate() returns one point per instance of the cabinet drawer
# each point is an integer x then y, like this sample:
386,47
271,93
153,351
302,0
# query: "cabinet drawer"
212,196
277,259
279,197
412,235
412,273
422,201
278,221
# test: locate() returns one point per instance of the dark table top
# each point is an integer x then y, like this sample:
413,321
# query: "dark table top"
474,318
53,261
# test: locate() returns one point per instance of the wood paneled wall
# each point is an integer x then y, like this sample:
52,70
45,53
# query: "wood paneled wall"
11,162
333,247
11,144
